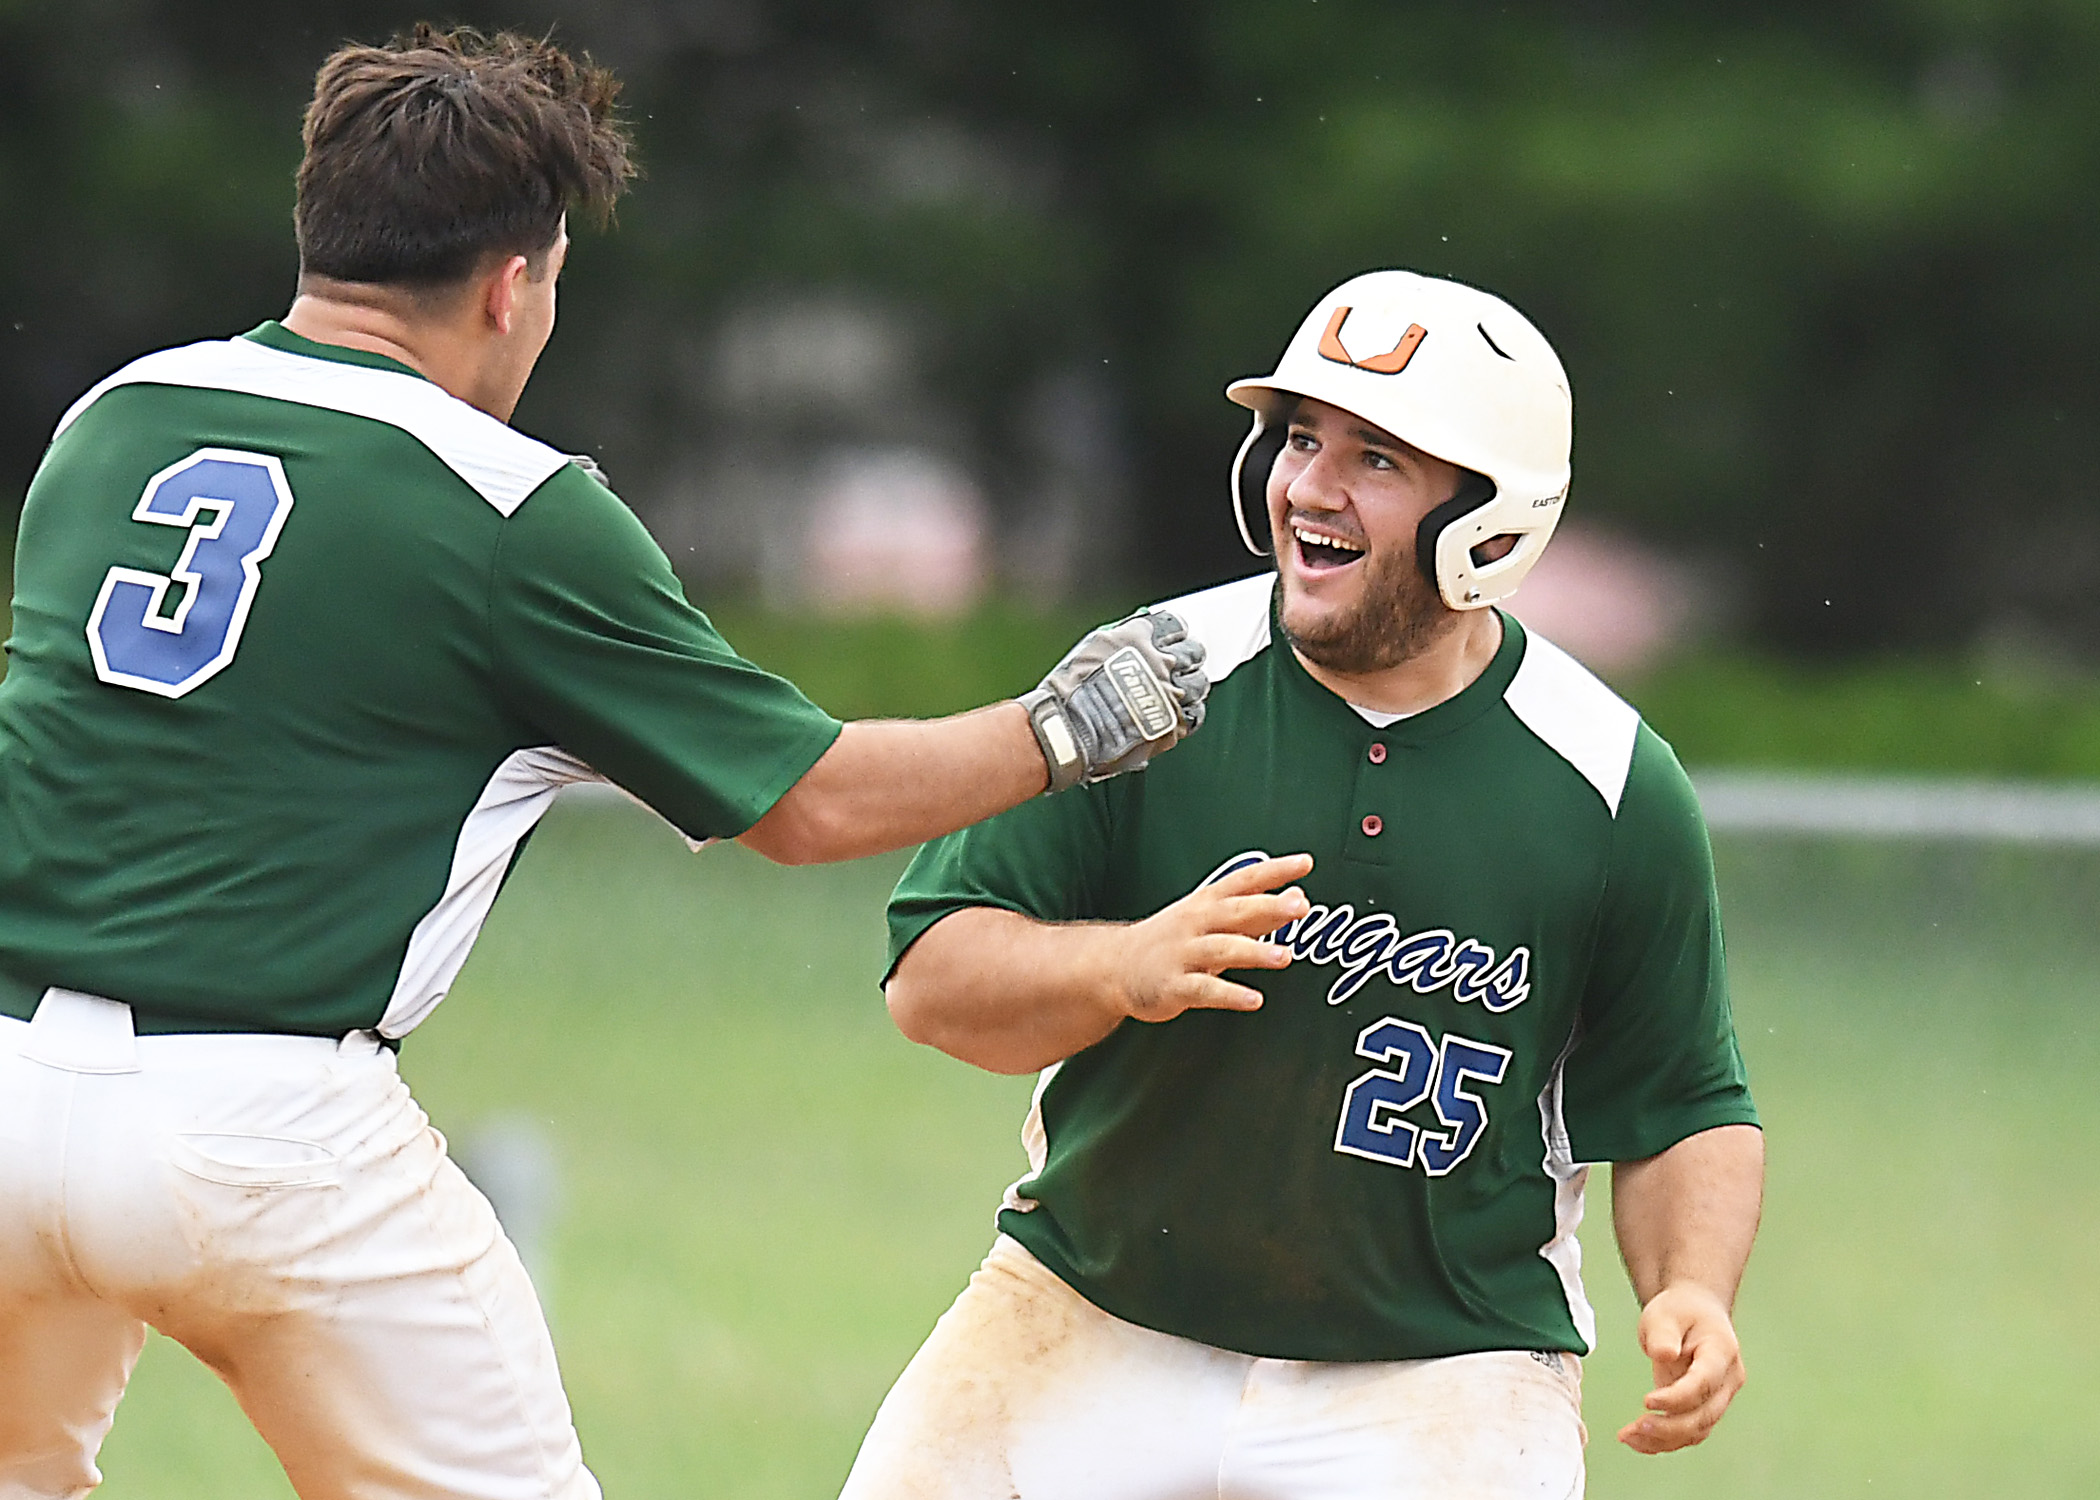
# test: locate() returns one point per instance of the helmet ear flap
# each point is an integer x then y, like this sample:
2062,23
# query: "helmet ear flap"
1475,491
1251,486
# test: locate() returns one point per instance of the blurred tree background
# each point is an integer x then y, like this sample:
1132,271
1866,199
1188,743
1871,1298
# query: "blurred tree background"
1823,275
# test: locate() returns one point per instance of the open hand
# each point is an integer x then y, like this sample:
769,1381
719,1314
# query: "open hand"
1686,1333
1173,960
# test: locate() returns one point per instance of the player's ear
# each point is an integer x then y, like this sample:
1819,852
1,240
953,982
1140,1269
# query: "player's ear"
499,292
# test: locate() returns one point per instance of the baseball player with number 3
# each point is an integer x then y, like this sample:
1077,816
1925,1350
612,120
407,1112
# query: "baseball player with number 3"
307,638
1332,1011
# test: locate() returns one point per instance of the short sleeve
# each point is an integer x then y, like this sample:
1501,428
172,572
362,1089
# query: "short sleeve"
1655,1057
598,648
1046,858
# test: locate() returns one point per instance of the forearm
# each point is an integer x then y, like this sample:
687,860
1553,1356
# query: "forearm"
1007,993
1689,1215
1685,1220
886,784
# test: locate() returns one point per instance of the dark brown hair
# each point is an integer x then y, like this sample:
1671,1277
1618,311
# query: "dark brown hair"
442,149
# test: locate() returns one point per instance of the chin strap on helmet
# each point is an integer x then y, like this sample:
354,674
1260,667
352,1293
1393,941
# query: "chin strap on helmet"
1474,491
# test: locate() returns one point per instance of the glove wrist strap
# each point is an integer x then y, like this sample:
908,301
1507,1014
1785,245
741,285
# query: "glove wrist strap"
1054,737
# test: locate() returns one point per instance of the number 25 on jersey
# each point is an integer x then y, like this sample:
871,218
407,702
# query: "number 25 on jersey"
1371,1126
233,505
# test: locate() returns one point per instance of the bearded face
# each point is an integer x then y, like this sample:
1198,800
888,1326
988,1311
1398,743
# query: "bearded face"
1345,500
1397,617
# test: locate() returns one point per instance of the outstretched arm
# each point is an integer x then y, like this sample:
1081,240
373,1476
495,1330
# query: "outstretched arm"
1127,692
1685,1220
1010,994
888,783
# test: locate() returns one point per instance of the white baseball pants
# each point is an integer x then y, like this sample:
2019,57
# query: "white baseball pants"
1027,1391
281,1207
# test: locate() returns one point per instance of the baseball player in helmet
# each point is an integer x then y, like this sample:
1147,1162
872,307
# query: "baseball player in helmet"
1332,1012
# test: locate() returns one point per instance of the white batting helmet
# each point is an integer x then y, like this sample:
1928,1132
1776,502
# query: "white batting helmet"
1458,373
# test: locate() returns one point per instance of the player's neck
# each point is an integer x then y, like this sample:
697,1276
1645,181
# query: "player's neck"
1445,669
433,341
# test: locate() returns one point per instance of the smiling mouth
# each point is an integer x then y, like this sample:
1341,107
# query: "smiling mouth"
1321,553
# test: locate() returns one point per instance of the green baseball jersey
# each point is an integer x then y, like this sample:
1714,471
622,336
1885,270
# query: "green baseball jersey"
1512,967
303,648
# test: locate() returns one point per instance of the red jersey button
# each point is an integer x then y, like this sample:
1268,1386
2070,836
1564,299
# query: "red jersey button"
1373,825
1377,754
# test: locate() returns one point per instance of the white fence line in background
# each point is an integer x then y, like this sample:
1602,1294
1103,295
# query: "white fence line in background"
2032,812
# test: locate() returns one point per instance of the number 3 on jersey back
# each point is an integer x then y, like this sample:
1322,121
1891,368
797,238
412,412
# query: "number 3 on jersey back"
233,504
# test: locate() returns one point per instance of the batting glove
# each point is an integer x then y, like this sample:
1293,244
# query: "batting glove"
1124,694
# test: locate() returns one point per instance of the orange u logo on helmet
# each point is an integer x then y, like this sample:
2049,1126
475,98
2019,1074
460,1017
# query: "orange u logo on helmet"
1391,363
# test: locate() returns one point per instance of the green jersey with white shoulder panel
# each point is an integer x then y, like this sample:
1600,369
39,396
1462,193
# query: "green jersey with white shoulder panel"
303,647
1512,968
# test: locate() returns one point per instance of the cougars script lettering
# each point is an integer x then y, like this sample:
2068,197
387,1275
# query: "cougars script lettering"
1372,944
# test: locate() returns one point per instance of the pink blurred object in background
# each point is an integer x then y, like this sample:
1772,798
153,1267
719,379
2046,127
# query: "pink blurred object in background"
1615,606
897,531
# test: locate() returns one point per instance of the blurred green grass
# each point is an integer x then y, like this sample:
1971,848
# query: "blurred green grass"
770,1195
1941,716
